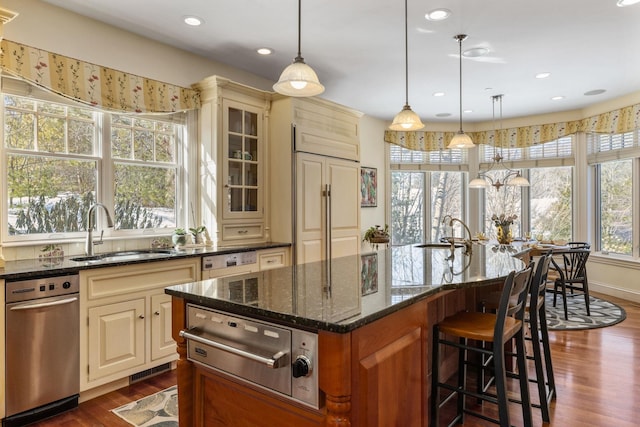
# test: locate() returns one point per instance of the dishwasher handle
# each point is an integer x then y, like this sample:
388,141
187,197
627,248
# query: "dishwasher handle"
276,361
44,304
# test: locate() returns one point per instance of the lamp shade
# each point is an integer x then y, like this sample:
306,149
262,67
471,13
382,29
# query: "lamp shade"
519,181
461,140
478,183
298,79
406,120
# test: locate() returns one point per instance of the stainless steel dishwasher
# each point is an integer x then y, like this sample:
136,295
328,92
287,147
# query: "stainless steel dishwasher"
42,348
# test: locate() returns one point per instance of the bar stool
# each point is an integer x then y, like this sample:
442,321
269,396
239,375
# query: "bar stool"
495,328
539,337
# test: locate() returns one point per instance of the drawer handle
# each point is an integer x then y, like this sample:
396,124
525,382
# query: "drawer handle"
243,231
274,361
271,261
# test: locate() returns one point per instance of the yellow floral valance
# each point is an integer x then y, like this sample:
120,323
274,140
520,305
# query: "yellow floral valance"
93,84
623,120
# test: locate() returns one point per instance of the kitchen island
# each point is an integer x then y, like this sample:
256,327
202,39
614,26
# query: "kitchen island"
372,316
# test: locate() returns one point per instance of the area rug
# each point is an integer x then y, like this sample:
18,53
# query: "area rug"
158,410
603,313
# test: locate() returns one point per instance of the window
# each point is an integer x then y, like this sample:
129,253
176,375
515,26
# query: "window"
615,195
409,190
407,207
60,159
614,160
550,198
544,209
420,177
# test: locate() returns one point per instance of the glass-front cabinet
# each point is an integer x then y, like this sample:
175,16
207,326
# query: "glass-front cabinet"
243,129
233,142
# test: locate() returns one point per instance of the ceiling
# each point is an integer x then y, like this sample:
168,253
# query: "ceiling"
357,48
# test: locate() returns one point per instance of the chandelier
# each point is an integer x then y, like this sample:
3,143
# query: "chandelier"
512,177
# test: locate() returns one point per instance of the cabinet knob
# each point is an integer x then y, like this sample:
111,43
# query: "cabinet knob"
157,313
141,316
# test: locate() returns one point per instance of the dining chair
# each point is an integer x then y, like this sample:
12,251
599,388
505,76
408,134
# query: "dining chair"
571,273
473,328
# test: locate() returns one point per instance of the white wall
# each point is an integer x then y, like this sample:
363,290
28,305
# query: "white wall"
372,154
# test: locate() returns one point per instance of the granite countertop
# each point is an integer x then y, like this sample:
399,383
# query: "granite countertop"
32,268
362,288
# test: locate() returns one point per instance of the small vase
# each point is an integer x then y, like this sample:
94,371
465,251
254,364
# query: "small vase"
179,239
504,234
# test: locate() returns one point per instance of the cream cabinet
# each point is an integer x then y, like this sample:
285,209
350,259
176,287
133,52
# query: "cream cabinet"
273,258
315,150
125,323
233,152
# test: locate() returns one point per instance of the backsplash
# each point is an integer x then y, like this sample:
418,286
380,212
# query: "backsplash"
17,253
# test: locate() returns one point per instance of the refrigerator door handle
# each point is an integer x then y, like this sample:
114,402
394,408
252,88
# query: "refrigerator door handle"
328,221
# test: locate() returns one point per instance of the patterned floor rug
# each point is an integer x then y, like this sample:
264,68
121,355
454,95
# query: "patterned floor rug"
158,410
603,313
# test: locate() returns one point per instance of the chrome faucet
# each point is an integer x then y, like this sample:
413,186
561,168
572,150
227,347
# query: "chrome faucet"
88,246
452,240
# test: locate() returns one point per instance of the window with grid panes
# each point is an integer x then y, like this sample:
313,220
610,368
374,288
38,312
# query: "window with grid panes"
61,158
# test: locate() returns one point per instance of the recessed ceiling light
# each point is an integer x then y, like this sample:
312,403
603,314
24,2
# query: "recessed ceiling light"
623,3
264,51
543,75
475,52
438,93
468,111
557,98
443,115
194,21
595,92
487,89
438,14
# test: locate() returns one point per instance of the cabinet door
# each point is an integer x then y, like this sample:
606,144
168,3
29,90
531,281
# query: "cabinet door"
315,226
242,160
344,178
116,337
162,344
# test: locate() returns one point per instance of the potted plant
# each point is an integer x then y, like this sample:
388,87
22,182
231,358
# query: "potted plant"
179,237
376,235
198,234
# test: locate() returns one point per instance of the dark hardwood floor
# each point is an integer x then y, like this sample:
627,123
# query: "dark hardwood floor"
597,377
97,412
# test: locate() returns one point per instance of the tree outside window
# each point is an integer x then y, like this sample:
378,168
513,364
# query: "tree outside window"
615,207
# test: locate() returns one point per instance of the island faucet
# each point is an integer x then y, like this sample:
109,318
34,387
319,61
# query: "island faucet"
88,246
468,244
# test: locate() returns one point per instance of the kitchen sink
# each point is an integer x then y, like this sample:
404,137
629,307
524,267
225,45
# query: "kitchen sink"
124,256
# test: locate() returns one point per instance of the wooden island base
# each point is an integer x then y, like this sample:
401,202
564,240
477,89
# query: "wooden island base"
376,375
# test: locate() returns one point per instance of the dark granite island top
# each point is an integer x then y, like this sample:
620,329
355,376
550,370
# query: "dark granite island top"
361,288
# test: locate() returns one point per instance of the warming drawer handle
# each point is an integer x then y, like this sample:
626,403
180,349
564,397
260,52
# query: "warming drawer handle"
44,304
275,361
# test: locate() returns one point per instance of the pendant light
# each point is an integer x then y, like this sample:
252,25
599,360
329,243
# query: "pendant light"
406,120
299,79
461,139
511,177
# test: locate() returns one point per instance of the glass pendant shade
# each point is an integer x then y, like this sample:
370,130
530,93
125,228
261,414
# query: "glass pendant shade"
461,140
406,120
478,183
519,181
298,79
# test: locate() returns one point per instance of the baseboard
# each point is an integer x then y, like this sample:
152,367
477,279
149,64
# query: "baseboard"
103,389
607,289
